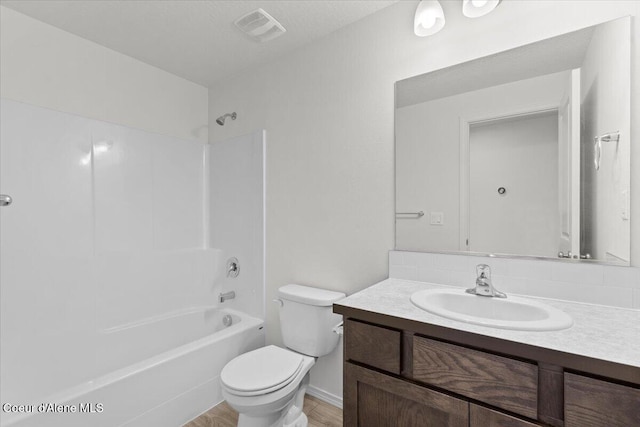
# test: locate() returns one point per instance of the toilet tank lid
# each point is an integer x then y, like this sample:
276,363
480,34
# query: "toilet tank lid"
309,295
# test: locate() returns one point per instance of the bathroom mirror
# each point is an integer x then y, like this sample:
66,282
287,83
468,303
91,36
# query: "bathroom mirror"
525,152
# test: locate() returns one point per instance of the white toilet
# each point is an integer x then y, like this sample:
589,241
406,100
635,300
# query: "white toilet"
267,386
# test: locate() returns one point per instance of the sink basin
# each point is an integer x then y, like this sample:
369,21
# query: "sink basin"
506,313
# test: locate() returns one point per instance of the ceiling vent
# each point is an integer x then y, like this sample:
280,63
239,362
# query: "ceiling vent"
260,26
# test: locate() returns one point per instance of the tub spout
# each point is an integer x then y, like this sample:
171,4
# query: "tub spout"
227,295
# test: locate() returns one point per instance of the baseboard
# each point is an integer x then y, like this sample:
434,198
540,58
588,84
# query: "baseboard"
325,396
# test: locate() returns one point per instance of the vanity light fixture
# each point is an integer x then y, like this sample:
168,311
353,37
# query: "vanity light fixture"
477,8
429,18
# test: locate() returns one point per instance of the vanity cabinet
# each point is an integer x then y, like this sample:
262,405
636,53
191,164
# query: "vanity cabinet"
405,377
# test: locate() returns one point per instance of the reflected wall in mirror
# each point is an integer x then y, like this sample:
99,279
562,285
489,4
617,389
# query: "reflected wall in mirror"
525,152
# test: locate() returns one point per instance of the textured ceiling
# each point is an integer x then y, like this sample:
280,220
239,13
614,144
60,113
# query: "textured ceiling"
195,39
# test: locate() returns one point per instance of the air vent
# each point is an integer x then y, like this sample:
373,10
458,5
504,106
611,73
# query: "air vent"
260,26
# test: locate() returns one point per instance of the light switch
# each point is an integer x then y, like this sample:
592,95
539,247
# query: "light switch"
437,218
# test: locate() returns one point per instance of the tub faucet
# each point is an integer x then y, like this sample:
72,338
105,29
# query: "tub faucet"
225,296
484,287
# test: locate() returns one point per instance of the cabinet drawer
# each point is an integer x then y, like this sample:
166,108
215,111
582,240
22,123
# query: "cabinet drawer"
594,403
372,345
483,417
375,399
499,381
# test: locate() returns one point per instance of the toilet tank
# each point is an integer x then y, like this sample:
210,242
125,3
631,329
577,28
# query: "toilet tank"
307,319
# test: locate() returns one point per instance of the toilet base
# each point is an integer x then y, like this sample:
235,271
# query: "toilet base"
301,421
275,421
289,416
270,420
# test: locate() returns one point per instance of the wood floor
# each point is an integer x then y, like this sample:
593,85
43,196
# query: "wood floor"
320,414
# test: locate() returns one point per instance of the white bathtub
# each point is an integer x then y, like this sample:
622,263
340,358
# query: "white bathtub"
161,371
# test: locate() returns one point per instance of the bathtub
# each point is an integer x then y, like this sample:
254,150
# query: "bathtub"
160,371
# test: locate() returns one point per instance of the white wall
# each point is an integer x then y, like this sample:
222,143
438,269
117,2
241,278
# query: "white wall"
329,112
45,66
428,146
521,155
605,104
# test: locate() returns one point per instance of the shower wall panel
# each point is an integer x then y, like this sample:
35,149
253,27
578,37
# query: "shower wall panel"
106,229
237,202
47,300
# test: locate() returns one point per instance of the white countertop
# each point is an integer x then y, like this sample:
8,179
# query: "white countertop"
606,333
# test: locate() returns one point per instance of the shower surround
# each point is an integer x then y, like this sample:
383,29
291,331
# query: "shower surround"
111,268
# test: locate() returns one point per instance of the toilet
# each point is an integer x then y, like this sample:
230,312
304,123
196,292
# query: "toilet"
267,386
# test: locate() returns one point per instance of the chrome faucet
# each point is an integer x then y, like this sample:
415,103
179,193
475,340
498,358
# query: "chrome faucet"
225,296
484,287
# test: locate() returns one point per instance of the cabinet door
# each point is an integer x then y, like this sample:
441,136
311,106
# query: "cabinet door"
595,403
483,417
375,399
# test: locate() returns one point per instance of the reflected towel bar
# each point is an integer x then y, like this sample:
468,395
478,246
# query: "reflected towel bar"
610,137
597,145
417,214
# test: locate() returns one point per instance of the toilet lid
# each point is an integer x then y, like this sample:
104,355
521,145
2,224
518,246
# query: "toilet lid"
261,371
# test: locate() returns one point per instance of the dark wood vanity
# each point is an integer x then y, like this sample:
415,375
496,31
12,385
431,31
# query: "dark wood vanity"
400,372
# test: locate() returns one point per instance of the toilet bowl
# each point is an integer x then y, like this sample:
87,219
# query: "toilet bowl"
267,386
261,384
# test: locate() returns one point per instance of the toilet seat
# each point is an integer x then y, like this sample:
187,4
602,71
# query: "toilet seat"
261,371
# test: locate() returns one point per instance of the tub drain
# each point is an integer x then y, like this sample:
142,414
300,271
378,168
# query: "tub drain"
227,320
